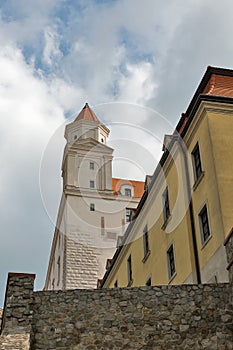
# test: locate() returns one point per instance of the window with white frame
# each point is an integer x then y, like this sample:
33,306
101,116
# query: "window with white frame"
204,224
58,270
166,205
116,284
128,192
129,270
171,261
129,214
127,189
196,158
146,241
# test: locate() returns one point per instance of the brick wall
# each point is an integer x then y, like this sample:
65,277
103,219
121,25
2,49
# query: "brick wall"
146,318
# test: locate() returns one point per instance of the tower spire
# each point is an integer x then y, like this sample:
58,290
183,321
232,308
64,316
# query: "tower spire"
87,114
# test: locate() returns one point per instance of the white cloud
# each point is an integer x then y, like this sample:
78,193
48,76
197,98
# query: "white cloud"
29,115
23,21
148,52
136,85
51,51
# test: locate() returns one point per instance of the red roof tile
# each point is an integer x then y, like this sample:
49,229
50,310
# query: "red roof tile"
219,85
215,82
87,114
137,185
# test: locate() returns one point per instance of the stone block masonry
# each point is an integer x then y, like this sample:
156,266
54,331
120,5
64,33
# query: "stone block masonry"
143,318
17,313
81,265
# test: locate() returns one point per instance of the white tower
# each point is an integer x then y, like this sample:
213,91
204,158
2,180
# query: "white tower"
94,209
87,162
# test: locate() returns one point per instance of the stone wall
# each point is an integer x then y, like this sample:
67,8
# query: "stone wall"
17,313
15,342
143,318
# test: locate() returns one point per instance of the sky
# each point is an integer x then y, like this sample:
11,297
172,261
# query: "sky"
137,63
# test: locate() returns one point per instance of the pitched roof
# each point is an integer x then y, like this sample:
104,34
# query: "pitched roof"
137,185
219,85
87,114
215,82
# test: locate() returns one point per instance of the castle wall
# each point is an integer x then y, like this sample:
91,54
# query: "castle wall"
17,313
165,317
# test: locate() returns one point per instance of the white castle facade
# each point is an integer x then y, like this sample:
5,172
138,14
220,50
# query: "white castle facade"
95,208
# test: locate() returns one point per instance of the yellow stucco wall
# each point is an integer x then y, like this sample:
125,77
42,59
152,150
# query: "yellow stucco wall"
213,131
206,192
159,240
221,132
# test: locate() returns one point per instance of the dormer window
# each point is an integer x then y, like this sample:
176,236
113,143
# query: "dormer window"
126,189
128,192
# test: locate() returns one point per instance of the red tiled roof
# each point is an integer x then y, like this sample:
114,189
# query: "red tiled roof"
215,82
219,85
87,114
137,185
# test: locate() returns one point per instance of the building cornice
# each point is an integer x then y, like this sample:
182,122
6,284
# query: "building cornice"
199,91
101,195
205,98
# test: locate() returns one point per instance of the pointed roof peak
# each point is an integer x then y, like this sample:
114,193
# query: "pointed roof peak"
87,114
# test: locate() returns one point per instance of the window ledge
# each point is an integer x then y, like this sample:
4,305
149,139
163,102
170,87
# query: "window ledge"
130,283
198,181
166,222
146,256
172,277
206,241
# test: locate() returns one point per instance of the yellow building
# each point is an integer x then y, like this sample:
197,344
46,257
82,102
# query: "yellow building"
185,214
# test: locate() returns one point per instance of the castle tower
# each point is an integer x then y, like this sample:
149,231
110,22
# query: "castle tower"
94,210
86,154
